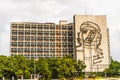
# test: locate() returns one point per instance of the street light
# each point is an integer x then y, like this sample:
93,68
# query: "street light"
105,75
94,76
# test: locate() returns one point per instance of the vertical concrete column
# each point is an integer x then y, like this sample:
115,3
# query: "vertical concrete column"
21,77
3,78
31,76
12,77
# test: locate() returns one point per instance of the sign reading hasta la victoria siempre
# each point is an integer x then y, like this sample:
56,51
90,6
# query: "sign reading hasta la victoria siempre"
92,42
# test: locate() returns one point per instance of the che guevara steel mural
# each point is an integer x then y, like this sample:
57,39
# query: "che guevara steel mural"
90,38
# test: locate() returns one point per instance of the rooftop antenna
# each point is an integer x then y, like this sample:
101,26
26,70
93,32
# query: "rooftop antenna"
85,11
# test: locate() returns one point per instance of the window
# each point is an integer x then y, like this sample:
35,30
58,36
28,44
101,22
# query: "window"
14,38
14,44
13,49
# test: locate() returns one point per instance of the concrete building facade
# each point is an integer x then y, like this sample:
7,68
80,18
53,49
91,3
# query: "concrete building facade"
85,39
92,41
36,40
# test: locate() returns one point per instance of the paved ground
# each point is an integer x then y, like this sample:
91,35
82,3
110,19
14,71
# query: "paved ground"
102,79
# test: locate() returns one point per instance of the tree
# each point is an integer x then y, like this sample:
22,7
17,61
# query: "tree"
114,68
3,65
62,68
43,68
79,67
17,66
30,64
54,67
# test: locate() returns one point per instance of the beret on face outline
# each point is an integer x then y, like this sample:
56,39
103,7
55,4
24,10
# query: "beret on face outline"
89,23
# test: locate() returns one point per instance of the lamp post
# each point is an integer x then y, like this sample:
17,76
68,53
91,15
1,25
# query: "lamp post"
86,77
21,77
94,76
34,66
105,76
31,76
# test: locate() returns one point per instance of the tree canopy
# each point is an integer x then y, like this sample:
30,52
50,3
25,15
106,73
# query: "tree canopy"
114,68
48,68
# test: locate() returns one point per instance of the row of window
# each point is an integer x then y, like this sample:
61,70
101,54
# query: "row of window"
41,26
41,39
40,45
41,34
41,31
47,48
41,55
44,42
41,51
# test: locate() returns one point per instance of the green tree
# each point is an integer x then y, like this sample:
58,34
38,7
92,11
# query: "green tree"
79,67
53,67
19,65
42,68
114,68
62,68
30,64
3,66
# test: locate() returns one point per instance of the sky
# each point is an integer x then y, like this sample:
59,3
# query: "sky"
55,10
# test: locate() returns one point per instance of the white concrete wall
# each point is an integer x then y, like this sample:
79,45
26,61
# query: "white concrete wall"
88,52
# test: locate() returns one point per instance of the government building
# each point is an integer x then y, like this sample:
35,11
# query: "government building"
86,39
37,40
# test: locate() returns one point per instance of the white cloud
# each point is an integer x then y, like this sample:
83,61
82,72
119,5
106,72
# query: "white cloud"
55,10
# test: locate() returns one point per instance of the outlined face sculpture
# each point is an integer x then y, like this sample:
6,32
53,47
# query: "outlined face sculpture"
89,35
89,32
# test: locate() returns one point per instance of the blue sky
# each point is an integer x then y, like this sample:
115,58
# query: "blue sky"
55,10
